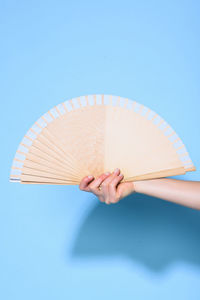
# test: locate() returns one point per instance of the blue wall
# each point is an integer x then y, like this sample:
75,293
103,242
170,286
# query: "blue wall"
58,242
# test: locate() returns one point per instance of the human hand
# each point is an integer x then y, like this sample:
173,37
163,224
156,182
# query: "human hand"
107,187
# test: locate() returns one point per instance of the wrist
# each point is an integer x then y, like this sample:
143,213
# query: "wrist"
137,186
142,186
147,186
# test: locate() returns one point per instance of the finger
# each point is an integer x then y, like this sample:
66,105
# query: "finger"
105,184
112,188
94,185
83,186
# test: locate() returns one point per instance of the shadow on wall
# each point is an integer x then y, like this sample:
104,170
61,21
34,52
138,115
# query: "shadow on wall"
150,231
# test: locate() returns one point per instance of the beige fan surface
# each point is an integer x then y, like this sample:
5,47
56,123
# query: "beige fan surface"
93,134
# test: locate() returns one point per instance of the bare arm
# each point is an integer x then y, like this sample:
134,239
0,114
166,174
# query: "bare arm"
182,192
109,189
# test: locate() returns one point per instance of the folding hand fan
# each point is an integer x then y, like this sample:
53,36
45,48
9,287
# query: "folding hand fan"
98,133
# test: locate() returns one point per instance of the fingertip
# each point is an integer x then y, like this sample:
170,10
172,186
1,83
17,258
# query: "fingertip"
106,202
116,171
84,182
84,179
88,178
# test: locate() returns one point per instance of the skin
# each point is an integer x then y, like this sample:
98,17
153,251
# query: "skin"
186,193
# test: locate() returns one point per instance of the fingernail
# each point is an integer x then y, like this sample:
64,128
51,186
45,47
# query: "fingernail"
90,176
107,173
121,175
116,171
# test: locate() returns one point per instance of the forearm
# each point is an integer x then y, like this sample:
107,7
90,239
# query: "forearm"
182,192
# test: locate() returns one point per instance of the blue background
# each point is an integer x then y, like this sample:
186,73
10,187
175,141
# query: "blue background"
58,242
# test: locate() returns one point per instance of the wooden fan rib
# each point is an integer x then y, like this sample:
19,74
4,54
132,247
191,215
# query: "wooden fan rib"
29,138
57,143
32,158
49,183
39,179
41,155
52,178
40,173
37,154
45,153
38,167
37,164
190,169
50,152
158,174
